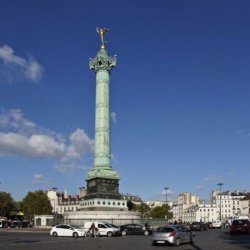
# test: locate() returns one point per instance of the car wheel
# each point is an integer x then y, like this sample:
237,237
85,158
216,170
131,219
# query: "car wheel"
75,235
54,234
109,234
146,232
177,242
124,233
192,241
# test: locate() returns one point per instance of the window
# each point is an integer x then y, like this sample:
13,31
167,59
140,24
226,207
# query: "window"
101,226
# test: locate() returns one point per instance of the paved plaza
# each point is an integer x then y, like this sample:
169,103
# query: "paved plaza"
40,240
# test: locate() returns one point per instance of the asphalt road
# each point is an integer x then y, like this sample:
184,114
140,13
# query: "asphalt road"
208,240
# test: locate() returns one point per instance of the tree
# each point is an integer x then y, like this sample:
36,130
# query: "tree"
130,205
161,212
7,204
35,203
144,210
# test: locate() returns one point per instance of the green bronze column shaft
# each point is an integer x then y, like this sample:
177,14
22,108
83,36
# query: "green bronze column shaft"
102,122
102,64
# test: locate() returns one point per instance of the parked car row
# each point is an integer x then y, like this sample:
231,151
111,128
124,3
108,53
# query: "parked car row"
167,234
100,229
198,226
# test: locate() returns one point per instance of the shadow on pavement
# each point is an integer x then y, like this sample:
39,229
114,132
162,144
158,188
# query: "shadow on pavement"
241,240
194,247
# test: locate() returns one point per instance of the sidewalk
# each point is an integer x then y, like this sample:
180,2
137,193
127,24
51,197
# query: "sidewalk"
25,230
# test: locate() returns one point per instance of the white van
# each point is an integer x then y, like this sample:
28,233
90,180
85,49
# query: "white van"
104,229
216,224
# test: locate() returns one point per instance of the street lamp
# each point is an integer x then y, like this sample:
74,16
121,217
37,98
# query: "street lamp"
220,184
166,188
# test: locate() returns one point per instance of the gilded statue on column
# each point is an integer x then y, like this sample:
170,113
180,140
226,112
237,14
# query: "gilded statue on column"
102,32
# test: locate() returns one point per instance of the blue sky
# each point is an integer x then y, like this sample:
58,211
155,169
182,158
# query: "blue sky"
180,94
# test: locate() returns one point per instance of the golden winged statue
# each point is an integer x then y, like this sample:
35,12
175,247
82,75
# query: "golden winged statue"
102,32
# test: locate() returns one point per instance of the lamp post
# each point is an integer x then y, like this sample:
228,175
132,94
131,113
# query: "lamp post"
166,188
220,184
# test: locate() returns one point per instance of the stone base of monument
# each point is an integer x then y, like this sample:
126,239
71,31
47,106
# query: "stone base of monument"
114,211
103,204
115,217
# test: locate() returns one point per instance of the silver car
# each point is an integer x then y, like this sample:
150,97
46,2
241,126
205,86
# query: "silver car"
174,235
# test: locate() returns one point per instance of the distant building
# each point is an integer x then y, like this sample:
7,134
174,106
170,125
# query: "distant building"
245,206
201,212
134,198
228,203
153,204
53,198
184,201
61,202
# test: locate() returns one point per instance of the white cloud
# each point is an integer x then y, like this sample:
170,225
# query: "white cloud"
14,119
80,145
36,146
113,116
40,179
30,68
22,137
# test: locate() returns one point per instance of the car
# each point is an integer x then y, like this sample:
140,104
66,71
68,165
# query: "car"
174,235
216,224
129,229
67,230
198,226
240,226
103,228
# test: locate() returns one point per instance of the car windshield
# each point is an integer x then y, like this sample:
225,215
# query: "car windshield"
112,225
108,225
164,230
240,222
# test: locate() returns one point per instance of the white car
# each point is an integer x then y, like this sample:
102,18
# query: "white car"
67,230
216,224
103,228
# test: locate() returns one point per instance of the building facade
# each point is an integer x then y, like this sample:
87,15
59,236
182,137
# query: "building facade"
184,201
228,203
201,212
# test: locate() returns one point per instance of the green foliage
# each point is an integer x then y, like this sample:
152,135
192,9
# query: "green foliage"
35,203
7,204
143,209
130,205
161,212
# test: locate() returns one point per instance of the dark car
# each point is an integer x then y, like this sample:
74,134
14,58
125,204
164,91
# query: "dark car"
240,226
135,229
198,226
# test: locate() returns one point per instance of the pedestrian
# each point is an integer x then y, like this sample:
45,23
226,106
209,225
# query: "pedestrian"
93,229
